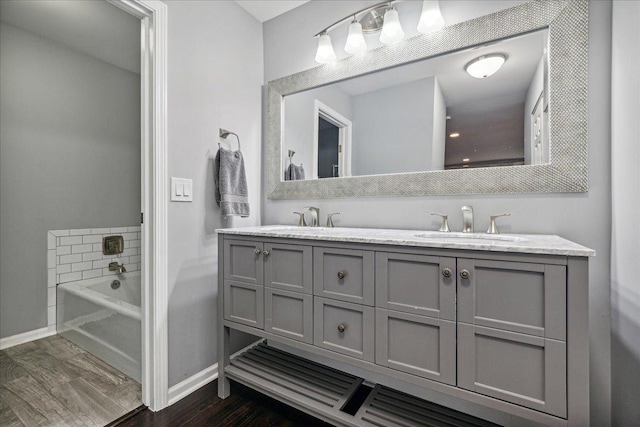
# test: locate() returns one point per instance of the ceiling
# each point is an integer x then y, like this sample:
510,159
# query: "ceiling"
95,28
264,10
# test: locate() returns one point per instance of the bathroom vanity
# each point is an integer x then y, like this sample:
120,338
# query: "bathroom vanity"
498,320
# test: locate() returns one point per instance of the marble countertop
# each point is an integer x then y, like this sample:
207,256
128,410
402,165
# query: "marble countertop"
516,243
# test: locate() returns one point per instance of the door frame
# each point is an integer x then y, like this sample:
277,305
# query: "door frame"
154,189
344,137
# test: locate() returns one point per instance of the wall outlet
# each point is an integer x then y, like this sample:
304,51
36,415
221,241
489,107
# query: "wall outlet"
181,190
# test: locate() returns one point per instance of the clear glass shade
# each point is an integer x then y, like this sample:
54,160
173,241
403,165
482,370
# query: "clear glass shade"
485,66
431,19
391,29
355,39
325,53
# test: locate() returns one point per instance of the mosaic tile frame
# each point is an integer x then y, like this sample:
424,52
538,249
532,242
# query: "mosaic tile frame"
567,170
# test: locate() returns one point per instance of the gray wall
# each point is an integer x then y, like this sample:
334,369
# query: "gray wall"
389,138
214,80
585,218
70,158
625,250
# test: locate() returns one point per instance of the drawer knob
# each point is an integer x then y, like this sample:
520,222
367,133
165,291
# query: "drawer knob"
465,274
266,253
446,272
257,251
341,328
341,274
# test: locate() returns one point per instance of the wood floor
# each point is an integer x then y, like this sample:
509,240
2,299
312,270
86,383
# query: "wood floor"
243,408
54,382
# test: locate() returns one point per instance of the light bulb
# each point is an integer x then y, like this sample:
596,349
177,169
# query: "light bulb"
485,66
325,53
355,39
391,29
431,19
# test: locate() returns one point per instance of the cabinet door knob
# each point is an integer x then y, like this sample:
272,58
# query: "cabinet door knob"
341,328
257,251
465,274
266,253
341,274
446,272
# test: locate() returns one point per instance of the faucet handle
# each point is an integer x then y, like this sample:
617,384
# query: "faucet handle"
493,229
330,219
445,222
301,221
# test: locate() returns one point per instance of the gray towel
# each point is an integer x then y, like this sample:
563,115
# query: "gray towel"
231,183
294,173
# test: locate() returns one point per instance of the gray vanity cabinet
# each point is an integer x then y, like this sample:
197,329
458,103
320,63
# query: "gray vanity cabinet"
289,267
289,314
344,274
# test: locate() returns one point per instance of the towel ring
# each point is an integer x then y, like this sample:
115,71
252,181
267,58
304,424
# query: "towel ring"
225,133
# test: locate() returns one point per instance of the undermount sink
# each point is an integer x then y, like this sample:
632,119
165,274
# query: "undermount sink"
468,236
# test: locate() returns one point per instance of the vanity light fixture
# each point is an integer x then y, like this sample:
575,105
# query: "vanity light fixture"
382,16
431,19
485,65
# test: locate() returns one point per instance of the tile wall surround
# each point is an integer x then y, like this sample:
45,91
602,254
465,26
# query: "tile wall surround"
77,255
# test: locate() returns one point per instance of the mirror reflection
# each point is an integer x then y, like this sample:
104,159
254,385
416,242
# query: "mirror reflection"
485,106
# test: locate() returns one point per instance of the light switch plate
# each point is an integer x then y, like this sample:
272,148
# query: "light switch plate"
181,190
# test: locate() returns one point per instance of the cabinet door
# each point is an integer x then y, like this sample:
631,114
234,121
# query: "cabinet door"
344,328
344,274
243,261
419,284
244,303
522,369
418,345
289,314
289,267
514,296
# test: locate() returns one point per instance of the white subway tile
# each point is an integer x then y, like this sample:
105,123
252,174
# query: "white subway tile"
57,278
51,296
63,250
134,243
90,274
101,263
92,238
107,272
127,244
100,230
134,259
79,232
51,240
136,228
51,277
73,240
119,230
51,258
97,247
130,236
79,266
59,233
63,268
70,277
51,315
68,259
78,249
139,236
91,256
129,252
139,251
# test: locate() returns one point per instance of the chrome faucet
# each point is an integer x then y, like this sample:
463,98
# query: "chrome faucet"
114,266
315,214
467,219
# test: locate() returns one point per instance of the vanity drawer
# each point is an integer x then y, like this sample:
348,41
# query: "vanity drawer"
515,296
344,274
344,328
417,345
244,303
289,267
522,369
243,261
289,314
418,284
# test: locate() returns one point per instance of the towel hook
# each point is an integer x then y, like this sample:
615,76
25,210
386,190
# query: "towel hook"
225,133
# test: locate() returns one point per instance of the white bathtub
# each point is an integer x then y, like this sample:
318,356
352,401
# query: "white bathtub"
104,321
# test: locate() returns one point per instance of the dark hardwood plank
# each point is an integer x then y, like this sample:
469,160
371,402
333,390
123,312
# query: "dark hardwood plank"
9,369
8,418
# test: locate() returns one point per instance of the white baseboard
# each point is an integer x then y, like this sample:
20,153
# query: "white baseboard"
202,378
26,337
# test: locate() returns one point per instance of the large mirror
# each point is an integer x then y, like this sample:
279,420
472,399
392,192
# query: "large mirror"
415,121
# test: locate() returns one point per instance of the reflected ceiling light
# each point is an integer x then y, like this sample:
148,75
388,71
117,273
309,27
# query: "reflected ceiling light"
466,159
325,53
391,29
485,65
431,19
355,39
454,134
